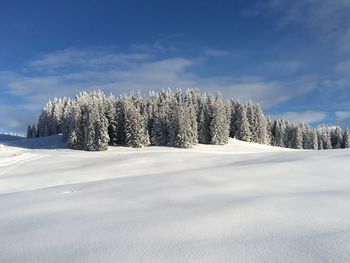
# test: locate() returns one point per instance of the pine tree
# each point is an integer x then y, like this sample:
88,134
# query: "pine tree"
204,125
101,123
136,133
120,121
314,140
219,125
151,108
280,133
67,118
34,131
242,124
89,130
290,133
160,129
191,115
181,133
45,120
336,138
347,138
233,117
320,139
74,136
29,132
92,121
261,129
270,139
111,115
298,137
326,138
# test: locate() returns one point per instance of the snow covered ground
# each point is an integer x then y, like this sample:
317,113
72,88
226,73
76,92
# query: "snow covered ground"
240,202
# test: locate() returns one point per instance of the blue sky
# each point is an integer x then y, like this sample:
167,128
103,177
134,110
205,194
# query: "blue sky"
293,57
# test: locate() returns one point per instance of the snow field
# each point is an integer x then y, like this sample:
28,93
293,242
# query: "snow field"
240,202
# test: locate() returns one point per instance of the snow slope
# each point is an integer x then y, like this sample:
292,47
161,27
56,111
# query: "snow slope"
240,202
8,137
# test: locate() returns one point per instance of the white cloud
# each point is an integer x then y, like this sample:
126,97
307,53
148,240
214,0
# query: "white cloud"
86,58
124,72
342,115
308,117
327,19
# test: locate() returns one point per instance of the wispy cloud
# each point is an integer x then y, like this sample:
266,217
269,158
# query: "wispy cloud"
89,58
309,117
67,72
327,19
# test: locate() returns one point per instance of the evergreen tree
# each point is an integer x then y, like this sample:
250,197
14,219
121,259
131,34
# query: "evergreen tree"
34,131
261,126
92,121
219,125
160,129
204,135
233,117
326,138
182,131
314,140
280,133
298,137
29,132
74,136
136,133
347,138
336,138
110,108
242,124
320,139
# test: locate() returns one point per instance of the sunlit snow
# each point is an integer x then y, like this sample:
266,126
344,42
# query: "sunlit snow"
240,202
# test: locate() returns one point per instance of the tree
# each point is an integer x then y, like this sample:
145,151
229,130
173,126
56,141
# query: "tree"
336,138
233,117
242,124
110,109
297,137
219,125
160,129
135,129
261,126
347,138
93,121
204,125
29,132
326,138
181,133
74,131
45,120
89,126
314,140
280,133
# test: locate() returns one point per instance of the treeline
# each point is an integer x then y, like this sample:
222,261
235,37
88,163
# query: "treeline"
93,121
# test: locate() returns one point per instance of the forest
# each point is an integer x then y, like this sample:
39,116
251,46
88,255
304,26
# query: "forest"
93,121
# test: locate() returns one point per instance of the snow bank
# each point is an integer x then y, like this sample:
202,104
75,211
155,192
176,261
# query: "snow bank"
235,203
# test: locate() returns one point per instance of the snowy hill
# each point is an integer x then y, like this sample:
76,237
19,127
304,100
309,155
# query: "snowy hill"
240,202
